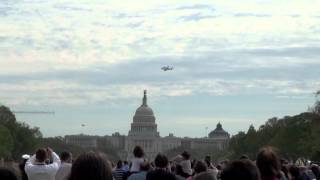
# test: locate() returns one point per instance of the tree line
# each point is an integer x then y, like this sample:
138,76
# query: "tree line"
294,136
17,138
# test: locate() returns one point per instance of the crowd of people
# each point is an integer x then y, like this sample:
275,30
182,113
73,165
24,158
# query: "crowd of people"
47,165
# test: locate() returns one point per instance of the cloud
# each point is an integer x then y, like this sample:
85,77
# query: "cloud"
251,15
197,6
94,44
196,17
64,92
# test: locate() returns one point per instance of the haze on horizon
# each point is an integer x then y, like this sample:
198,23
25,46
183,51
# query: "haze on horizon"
238,63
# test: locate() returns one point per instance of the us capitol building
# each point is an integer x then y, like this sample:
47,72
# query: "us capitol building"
144,133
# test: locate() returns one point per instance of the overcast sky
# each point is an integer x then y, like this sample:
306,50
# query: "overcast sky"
237,62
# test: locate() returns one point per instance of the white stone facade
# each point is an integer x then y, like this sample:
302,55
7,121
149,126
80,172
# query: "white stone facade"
144,133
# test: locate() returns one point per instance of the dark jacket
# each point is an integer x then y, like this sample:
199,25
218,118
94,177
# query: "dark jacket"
160,174
207,175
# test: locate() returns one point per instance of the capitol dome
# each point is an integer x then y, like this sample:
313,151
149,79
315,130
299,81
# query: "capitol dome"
144,110
219,132
144,121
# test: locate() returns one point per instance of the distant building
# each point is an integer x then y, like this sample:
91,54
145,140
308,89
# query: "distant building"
143,132
82,140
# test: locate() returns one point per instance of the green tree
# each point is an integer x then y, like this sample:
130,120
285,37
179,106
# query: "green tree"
6,142
24,138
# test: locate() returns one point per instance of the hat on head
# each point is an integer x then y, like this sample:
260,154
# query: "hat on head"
177,159
25,156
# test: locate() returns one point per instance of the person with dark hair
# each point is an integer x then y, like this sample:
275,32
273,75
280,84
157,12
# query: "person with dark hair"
268,164
137,160
25,158
244,156
186,164
126,166
210,166
161,170
295,173
91,166
202,172
301,173
207,160
284,169
240,170
306,173
180,175
200,167
36,167
316,170
65,167
7,174
119,173
142,175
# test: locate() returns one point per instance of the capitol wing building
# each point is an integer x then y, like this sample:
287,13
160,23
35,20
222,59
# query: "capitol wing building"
144,132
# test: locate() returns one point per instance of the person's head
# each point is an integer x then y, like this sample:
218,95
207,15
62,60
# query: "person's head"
240,170
244,156
294,171
66,157
177,159
138,152
91,166
185,155
41,155
119,164
268,162
283,162
25,158
125,162
161,161
199,167
145,166
207,160
285,171
7,174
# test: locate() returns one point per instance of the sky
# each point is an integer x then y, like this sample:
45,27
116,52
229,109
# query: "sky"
235,62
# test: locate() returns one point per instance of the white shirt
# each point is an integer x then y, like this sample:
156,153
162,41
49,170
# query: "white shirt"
64,171
136,162
36,171
186,166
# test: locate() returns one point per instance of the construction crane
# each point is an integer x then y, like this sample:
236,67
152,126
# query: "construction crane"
33,112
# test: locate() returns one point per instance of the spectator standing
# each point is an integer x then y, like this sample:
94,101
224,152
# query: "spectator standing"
316,170
25,158
142,175
65,167
126,166
240,170
91,166
180,175
268,164
161,170
203,173
186,164
36,167
137,160
119,173
6,174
